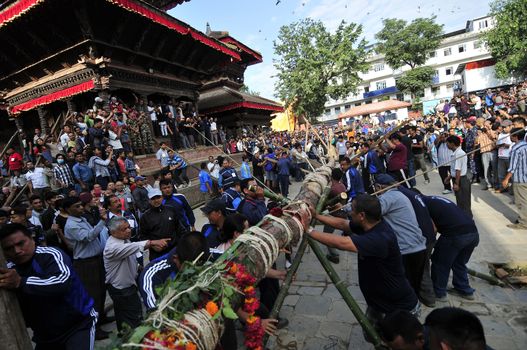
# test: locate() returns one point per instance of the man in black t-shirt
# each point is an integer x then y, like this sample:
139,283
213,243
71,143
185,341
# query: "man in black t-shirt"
452,251
407,142
381,273
418,150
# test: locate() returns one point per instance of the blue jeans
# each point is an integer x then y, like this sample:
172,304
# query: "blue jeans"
411,172
453,253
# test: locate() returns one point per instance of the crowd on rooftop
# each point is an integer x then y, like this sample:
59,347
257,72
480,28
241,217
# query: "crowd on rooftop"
91,224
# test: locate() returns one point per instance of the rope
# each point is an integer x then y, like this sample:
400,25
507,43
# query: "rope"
262,241
284,224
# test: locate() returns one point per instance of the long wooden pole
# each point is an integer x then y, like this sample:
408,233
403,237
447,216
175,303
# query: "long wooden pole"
434,168
13,332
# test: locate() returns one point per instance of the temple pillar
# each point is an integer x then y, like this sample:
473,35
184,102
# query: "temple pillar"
42,119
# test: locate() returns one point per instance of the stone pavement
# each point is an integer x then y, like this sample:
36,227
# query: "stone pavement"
320,319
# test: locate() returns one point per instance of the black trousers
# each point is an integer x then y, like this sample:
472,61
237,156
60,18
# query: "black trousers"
414,264
463,195
443,173
127,306
81,339
269,289
284,185
92,275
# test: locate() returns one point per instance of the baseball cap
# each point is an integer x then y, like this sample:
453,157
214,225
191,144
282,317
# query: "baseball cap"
506,122
139,177
154,193
214,205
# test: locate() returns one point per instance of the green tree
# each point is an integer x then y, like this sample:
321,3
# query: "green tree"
313,64
408,44
416,80
507,41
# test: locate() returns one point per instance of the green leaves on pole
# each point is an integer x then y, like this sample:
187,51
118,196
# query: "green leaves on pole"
507,41
408,44
314,63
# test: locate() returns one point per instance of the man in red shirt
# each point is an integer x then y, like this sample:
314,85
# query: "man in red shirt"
397,162
15,161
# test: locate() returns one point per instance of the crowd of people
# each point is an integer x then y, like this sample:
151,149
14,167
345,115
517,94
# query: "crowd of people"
89,217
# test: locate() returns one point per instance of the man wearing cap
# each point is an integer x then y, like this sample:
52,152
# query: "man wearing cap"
503,144
216,212
398,212
140,194
231,193
179,202
120,263
87,251
160,221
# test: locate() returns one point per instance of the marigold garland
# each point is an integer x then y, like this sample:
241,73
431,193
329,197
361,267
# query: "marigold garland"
254,331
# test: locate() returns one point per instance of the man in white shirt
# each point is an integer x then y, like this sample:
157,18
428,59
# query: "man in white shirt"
476,102
120,263
64,138
503,144
341,148
38,179
458,174
214,131
162,155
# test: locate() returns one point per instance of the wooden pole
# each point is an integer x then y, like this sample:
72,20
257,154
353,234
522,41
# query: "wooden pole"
13,332
434,168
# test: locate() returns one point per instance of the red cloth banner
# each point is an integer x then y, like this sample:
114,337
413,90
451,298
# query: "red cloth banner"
480,64
249,105
16,10
55,96
168,22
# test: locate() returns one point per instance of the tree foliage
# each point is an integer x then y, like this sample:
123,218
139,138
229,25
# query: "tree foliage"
313,64
507,41
408,44
247,90
415,80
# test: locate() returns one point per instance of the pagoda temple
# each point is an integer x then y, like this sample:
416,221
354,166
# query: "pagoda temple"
61,54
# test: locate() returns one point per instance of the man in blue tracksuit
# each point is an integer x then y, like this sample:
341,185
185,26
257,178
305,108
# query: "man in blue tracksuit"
54,302
179,202
352,179
165,267
231,193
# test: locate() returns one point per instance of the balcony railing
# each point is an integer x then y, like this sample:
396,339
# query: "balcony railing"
388,90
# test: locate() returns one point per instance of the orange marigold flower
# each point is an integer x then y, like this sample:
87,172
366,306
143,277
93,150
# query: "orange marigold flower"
251,319
234,268
248,289
212,308
190,346
250,300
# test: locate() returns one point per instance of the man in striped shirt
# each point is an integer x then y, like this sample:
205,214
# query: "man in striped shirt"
518,172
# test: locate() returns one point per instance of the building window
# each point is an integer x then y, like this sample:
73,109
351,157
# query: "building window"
357,104
380,85
462,48
432,54
483,24
435,90
327,111
449,71
477,44
377,67
366,89
436,73
449,87
346,107
447,51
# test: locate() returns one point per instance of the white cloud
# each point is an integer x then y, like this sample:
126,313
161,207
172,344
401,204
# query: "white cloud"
260,78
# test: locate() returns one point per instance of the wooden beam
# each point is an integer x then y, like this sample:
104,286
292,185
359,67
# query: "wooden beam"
139,44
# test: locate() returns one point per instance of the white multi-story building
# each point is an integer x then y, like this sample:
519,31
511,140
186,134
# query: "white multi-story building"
379,83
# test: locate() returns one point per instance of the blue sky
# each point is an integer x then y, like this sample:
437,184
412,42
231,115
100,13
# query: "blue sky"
256,22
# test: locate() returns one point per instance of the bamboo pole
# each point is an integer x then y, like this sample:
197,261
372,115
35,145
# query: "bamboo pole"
346,295
295,264
434,168
491,279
